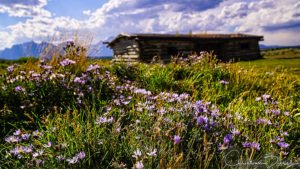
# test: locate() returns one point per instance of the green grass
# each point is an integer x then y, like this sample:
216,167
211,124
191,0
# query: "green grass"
289,53
21,61
111,111
282,60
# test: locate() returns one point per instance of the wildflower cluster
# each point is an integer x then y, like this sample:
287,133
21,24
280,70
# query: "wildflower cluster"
98,117
52,89
30,149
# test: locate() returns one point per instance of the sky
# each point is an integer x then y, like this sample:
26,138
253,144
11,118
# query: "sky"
93,21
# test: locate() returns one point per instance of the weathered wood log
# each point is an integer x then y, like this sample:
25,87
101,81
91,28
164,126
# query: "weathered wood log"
146,46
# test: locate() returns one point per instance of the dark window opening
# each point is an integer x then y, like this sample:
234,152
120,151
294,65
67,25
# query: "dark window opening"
172,51
244,46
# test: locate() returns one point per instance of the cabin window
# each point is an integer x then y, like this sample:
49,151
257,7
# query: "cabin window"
244,46
172,51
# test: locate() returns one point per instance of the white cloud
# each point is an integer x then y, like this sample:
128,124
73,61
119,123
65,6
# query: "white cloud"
86,12
6,40
21,8
278,21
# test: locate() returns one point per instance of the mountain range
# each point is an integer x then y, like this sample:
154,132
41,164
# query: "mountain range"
266,47
45,49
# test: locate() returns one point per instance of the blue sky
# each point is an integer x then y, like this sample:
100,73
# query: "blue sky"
97,20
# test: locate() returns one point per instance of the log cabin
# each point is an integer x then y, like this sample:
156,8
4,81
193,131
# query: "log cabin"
144,47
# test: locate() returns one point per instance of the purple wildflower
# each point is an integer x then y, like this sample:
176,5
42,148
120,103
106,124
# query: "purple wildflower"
227,139
202,120
17,132
285,133
35,75
276,112
152,153
283,144
39,161
12,139
125,102
38,153
92,67
137,153
224,82
246,144
266,97
60,158
48,145
22,72
138,121
101,120
110,120
67,62
81,155
263,121
161,111
255,145
79,80
142,91
19,89
215,112
229,116
73,160
17,151
25,136
34,155
10,69
177,139
184,96
47,67
235,132
41,151
139,165
28,149
199,106
279,139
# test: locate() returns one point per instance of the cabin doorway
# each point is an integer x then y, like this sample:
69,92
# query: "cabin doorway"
172,51
216,48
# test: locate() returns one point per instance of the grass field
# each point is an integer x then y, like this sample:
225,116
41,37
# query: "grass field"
193,113
281,60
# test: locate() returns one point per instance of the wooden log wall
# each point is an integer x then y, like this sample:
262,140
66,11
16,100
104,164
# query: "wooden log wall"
145,50
126,50
247,49
162,49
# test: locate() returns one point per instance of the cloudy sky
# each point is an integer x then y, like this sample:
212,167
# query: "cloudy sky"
96,20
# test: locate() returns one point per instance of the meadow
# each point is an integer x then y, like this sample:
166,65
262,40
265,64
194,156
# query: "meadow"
278,60
194,112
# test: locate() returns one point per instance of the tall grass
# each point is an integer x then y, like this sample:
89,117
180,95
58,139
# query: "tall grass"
190,113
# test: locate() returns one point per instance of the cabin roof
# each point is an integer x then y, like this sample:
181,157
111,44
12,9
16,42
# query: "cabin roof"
138,36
